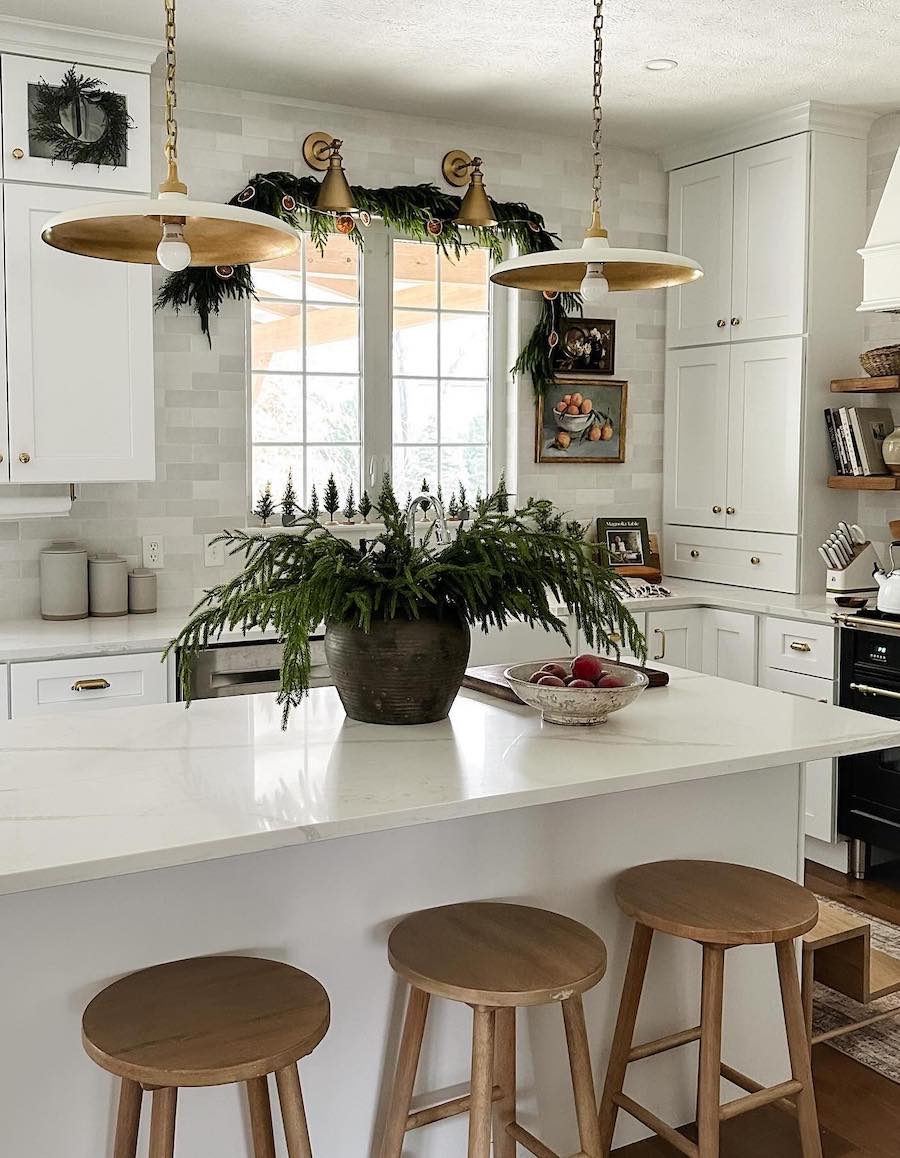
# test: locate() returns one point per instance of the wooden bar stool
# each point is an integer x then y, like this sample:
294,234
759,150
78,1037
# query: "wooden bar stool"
207,1021
719,906
494,957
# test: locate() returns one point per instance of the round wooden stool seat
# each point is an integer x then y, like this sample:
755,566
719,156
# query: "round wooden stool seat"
206,1021
498,955
716,903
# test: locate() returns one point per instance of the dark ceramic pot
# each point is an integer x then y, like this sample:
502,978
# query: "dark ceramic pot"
403,671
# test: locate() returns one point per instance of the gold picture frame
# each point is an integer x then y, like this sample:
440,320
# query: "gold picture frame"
582,437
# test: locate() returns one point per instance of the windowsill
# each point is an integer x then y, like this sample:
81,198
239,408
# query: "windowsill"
340,529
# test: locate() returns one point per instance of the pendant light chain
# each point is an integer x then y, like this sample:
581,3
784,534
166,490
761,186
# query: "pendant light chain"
597,134
171,100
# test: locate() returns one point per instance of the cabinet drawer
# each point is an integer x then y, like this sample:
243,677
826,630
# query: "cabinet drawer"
808,687
806,648
740,558
67,685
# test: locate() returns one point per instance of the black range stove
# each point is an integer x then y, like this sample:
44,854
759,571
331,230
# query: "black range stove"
868,675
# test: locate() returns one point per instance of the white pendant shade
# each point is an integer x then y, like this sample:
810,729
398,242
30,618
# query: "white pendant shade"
563,270
131,230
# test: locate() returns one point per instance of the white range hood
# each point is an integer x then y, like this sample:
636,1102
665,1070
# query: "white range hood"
881,255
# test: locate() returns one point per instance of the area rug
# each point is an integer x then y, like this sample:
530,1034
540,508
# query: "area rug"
876,1046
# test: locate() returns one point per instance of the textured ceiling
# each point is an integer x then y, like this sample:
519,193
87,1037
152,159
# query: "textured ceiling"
528,63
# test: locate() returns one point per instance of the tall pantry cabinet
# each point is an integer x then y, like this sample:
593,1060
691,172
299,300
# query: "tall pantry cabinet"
753,346
76,347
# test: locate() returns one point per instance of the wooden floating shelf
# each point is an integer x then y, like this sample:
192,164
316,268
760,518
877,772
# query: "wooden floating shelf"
865,385
861,482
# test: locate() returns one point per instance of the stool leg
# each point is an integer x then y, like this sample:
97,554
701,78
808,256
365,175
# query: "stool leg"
162,1122
582,1077
128,1119
482,1087
624,1033
505,1076
260,1118
293,1114
708,1085
405,1076
798,1049
807,989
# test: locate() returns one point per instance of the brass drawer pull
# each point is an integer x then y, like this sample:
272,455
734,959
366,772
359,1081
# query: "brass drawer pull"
795,646
662,635
95,685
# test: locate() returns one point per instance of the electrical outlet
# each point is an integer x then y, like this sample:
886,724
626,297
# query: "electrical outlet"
153,551
213,553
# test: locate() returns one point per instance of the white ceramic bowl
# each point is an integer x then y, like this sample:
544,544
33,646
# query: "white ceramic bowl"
573,423
575,705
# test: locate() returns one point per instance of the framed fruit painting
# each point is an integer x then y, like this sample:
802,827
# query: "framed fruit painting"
581,421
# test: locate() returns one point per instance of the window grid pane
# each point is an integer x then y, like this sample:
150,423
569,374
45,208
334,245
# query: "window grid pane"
455,373
306,396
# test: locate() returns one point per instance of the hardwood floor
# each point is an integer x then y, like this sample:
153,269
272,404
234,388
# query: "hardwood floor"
859,1111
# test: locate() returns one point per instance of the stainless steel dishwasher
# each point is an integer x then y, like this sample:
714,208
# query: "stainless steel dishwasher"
242,669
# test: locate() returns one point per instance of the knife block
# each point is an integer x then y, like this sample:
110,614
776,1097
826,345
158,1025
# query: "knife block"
856,577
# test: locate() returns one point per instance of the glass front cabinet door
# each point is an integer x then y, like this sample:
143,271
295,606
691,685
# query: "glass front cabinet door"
74,124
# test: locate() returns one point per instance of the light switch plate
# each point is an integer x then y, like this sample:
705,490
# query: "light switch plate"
213,553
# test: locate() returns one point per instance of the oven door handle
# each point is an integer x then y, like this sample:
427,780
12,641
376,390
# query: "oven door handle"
867,690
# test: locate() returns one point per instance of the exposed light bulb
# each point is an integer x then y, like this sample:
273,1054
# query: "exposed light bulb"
173,252
594,287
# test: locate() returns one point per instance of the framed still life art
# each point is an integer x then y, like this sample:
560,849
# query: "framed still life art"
582,419
586,346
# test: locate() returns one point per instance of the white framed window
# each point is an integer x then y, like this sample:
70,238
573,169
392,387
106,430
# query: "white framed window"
386,360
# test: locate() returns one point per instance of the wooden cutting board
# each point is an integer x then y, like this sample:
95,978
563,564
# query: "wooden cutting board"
491,681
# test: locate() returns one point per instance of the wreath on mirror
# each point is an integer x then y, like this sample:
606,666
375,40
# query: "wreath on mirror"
82,120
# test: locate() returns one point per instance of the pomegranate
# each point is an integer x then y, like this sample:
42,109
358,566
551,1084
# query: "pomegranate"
581,684
587,667
551,681
554,669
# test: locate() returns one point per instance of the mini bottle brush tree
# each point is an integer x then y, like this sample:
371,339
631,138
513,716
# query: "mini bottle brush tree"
332,499
314,509
265,505
365,506
289,502
349,509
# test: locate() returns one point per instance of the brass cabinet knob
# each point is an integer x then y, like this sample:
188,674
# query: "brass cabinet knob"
735,321
18,154
695,554
729,511
755,560
24,456
796,646
722,323
615,637
717,510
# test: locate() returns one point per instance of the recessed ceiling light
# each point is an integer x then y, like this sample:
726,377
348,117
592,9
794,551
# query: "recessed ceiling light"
661,64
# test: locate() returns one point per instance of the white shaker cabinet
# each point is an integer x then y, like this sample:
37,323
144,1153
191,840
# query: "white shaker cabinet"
701,203
79,336
771,203
676,637
696,436
729,645
764,411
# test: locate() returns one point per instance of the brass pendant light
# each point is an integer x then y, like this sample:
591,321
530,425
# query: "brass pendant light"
596,268
171,230
476,210
323,152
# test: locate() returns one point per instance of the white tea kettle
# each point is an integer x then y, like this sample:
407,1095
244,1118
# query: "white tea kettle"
889,585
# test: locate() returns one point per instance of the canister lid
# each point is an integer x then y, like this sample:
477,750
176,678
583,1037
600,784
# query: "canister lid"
105,557
62,547
142,573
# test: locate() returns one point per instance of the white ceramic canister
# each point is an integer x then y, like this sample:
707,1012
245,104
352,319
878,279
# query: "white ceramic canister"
141,591
64,581
108,584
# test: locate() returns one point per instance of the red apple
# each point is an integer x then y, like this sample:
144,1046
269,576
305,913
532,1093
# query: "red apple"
587,667
551,681
535,676
610,681
581,684
554,669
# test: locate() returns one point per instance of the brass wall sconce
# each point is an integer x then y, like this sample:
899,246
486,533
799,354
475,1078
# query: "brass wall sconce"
322,151
460,169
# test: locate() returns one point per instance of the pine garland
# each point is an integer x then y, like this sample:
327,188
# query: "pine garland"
45,124
422,212
518,566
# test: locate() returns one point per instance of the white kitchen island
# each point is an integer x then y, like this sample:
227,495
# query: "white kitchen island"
148,834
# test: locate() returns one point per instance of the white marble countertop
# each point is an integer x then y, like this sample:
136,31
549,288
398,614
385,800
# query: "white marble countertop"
36,639
106,793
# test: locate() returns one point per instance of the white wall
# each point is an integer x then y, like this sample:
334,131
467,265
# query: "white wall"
227,135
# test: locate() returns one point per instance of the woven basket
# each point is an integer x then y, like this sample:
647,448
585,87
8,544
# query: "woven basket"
883,361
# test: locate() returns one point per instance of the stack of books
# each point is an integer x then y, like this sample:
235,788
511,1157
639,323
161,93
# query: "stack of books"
856,434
